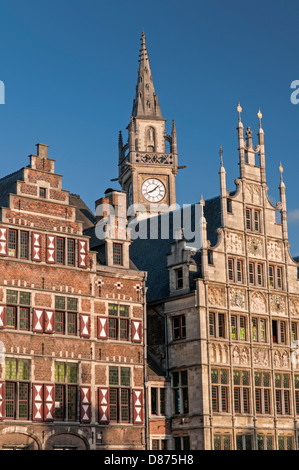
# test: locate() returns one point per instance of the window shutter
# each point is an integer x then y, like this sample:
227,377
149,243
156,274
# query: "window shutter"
85,405
51,249
138,406
37,406
2,398
36,252
38,320
136,331
3,241
104,405
82,253
49,404
102,327
85,325
49,319
2,316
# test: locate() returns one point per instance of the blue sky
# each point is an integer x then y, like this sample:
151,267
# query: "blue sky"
70,70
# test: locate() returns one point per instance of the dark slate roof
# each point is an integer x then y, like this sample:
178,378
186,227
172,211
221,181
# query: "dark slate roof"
8,185
151,254
83,213
212,213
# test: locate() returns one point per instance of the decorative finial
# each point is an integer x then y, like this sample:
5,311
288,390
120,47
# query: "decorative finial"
221,153
143,51
281,170
202,202
239,109
259,115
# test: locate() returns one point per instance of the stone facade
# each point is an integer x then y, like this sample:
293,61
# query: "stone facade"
223,320
231,338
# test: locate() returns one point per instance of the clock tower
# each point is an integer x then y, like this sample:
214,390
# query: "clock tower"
148,162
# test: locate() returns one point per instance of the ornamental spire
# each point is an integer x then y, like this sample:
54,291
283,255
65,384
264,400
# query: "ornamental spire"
146,103
281,172
221,156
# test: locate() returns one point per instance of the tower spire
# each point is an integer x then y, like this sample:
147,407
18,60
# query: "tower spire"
283,210
146,103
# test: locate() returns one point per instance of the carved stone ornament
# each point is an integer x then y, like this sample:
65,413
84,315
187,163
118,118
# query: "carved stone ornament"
258,302
240,356
219,353
236,356
277,304
216,296
260,357
255,246
237,298
280,359
274,249
294,307
234,243
254,192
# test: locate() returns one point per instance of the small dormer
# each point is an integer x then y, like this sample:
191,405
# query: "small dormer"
180,264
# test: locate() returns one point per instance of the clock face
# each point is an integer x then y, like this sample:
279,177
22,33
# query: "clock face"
153,190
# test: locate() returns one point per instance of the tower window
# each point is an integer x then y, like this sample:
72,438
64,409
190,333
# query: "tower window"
117,253
179,278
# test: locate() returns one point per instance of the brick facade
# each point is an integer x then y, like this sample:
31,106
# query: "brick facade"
58,357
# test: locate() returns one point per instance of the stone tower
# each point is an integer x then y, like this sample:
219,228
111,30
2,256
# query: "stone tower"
148,161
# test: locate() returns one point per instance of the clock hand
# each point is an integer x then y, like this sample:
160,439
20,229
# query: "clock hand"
152,190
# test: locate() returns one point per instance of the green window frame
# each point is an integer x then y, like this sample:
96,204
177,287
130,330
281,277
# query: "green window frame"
66,391
18,310
119,394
